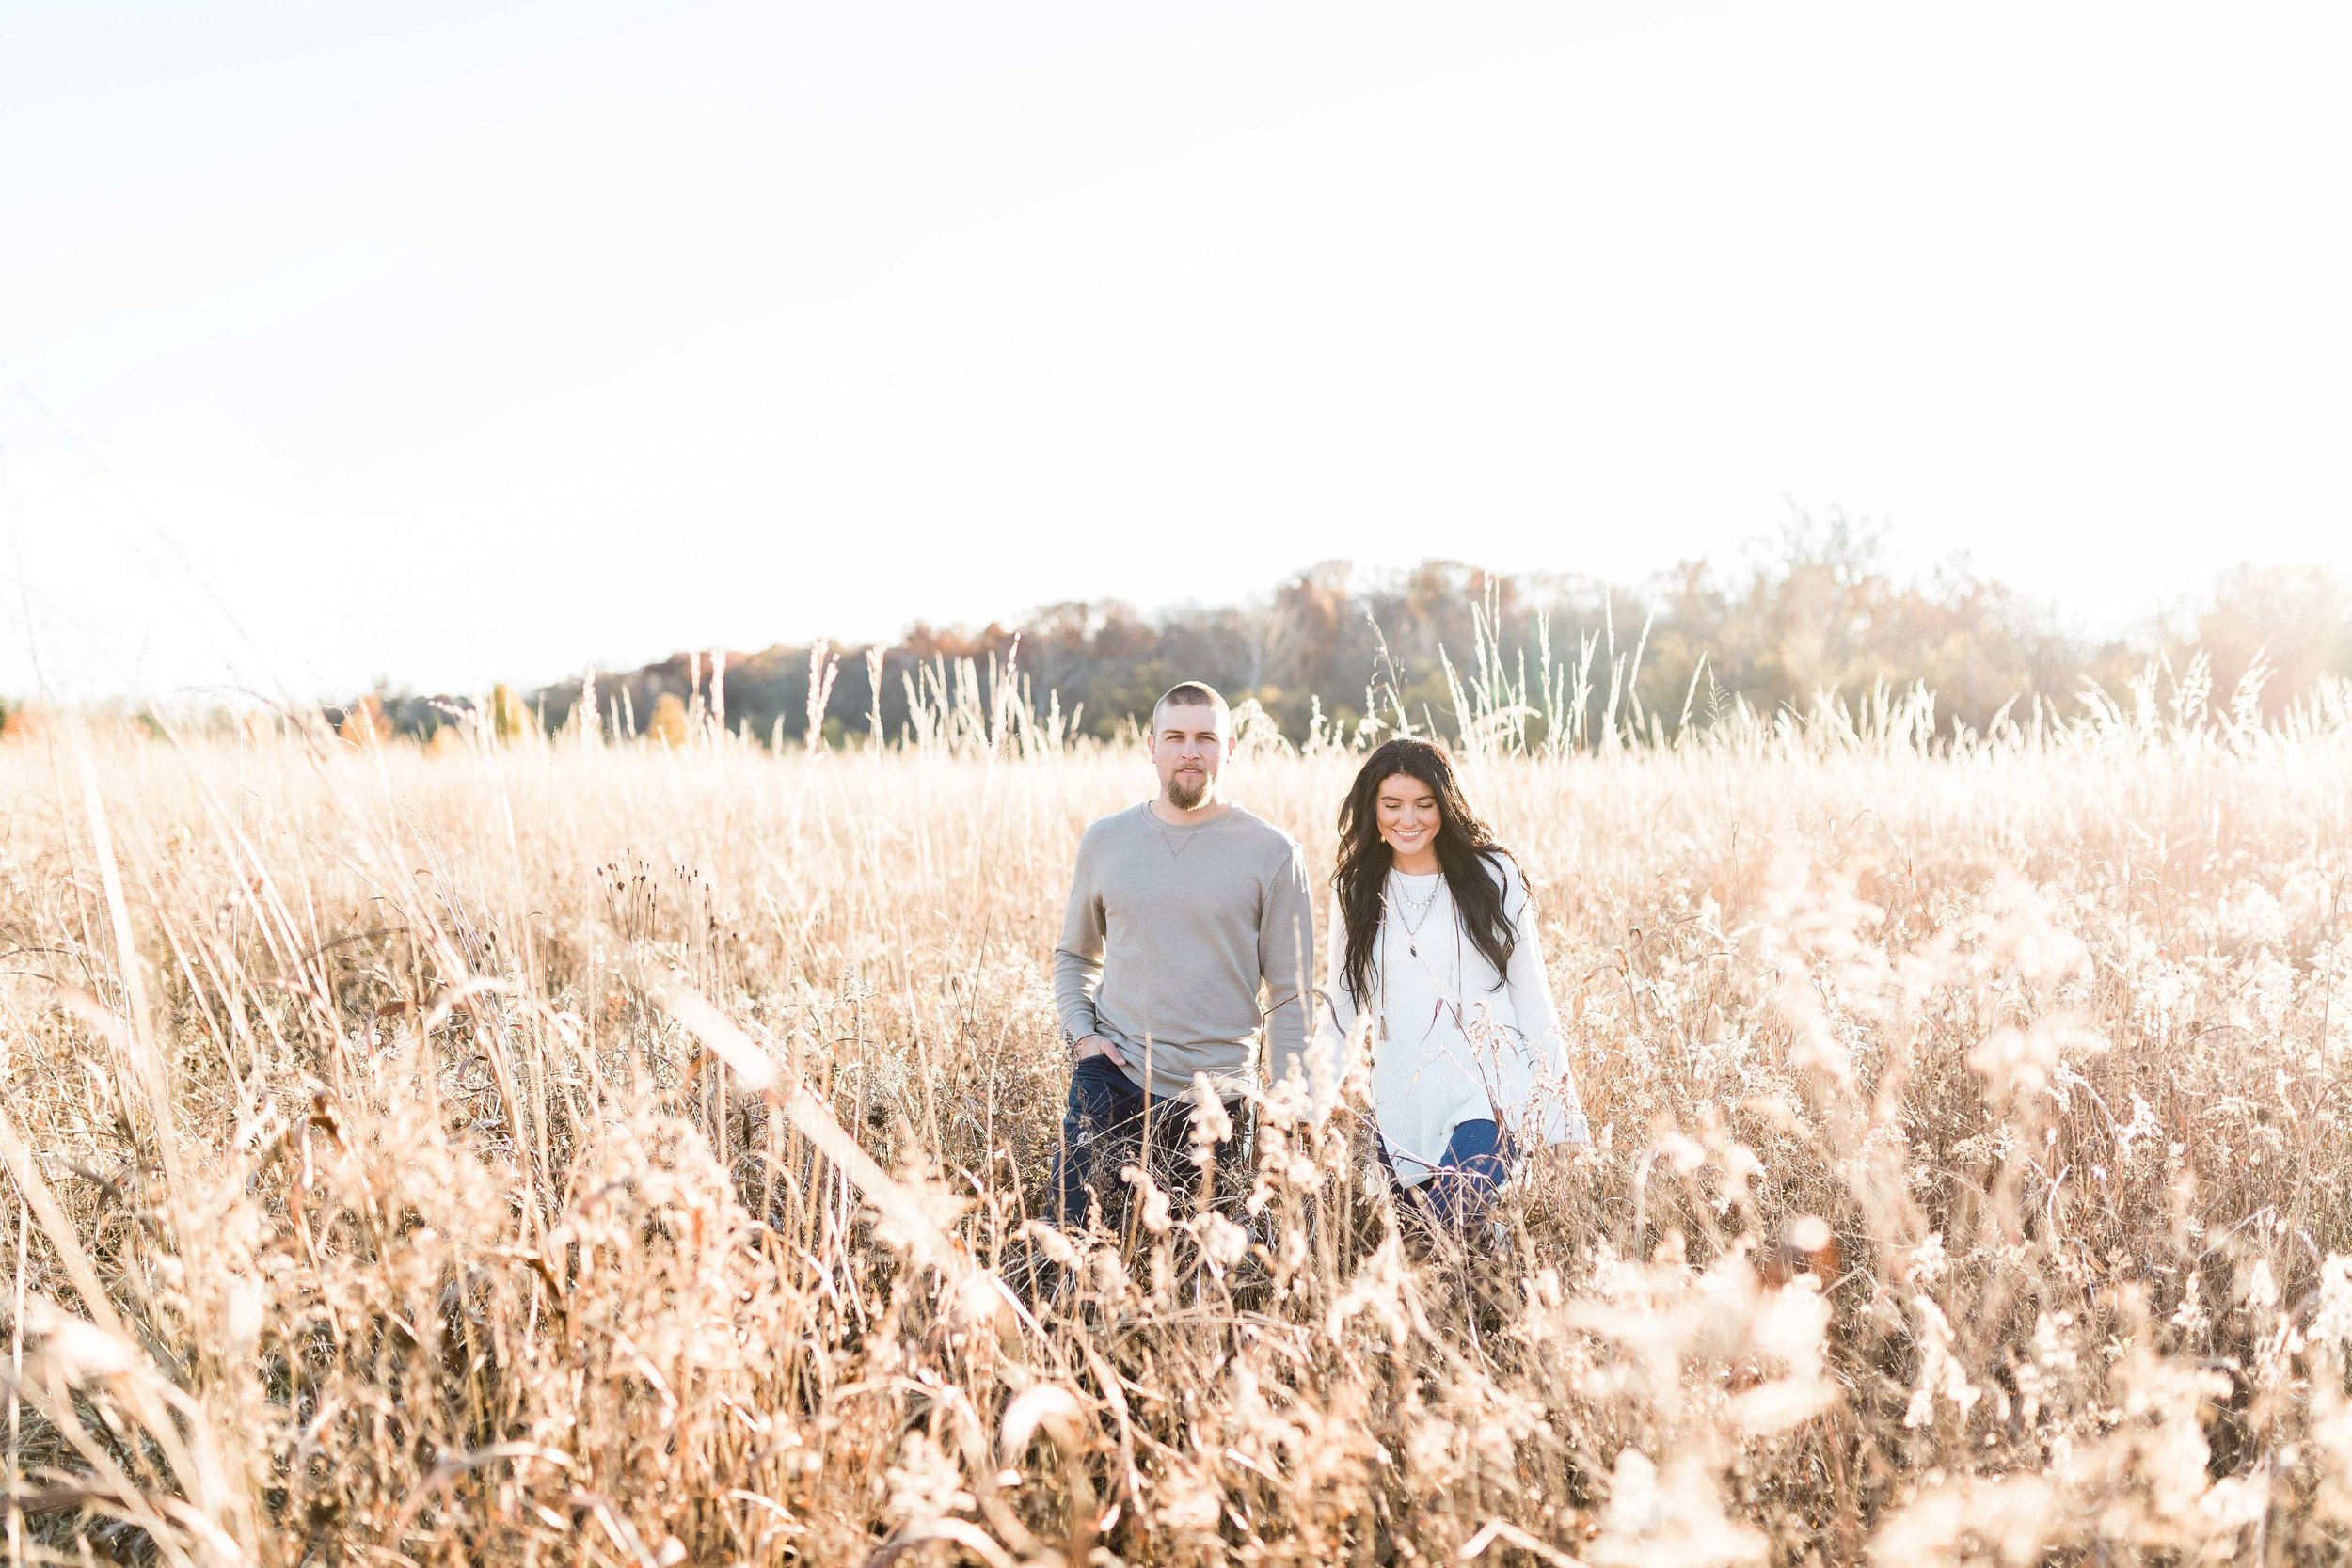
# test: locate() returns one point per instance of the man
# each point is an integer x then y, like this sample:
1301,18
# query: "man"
1184,911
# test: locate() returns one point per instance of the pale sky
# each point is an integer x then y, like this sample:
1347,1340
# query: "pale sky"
455,343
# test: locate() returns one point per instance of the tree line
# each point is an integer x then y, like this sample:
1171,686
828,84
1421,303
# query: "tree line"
1819,610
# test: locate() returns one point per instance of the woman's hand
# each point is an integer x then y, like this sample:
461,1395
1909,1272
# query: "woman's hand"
1095,1045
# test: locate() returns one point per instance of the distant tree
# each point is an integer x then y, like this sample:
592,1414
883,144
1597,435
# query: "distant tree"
1310,624
510,718
667,725
364,722
2297,620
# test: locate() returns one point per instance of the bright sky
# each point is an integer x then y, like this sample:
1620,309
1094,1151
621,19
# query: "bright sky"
456,342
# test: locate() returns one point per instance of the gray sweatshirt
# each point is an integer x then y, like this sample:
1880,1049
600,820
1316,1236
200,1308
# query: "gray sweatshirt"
1169,934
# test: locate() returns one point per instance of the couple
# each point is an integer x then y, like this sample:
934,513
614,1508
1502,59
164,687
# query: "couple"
1185,907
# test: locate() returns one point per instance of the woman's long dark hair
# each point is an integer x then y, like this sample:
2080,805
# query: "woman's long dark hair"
1465,848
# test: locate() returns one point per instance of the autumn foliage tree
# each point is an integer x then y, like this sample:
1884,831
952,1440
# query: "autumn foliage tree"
666,724
509,717
365,723
2289,625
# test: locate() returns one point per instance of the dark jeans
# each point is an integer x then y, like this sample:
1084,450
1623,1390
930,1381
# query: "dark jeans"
1105,1128
1476,1160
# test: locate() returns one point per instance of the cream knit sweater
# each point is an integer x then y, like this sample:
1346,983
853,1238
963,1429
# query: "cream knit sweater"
1451,1041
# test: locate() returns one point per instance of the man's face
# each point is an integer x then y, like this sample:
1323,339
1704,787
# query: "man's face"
1188,748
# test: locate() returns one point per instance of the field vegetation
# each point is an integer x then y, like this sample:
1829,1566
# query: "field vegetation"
554,1150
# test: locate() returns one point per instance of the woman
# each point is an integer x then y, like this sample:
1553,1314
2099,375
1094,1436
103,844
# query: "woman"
1433,938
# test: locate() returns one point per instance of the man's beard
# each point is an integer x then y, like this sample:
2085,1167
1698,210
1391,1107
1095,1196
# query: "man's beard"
1187,790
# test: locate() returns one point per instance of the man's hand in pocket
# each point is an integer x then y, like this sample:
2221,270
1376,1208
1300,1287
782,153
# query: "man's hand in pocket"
1095,1045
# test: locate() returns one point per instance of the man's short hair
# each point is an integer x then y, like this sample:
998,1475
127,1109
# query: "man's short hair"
1193,694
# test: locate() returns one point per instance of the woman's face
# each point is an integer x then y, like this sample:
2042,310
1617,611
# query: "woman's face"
1405,811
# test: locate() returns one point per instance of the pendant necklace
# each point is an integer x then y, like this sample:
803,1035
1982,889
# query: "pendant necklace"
1413,913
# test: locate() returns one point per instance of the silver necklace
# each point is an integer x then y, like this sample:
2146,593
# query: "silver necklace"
1413,913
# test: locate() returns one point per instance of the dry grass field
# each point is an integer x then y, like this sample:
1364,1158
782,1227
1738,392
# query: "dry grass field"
564,1153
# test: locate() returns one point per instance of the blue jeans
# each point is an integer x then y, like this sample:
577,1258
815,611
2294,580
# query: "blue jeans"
1476,1161
1103,1130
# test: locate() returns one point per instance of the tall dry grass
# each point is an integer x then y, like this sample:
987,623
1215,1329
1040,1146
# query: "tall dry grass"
571,1152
